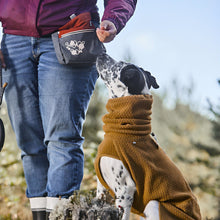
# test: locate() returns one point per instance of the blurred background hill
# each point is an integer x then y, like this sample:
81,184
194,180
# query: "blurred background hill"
189,138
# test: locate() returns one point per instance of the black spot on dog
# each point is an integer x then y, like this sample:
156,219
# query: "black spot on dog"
120,174
114,75
119,86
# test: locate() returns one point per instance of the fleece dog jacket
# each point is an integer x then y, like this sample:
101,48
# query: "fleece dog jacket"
127,138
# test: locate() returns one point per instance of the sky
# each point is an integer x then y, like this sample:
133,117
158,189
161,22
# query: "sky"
175,39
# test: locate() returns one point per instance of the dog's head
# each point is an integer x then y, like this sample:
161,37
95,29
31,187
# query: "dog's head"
123,79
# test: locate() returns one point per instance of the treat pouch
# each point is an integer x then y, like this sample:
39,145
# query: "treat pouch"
76,42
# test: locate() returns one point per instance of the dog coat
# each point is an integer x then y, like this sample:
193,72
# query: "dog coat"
127,138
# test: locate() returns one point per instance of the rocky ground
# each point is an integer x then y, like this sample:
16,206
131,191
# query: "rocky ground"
185,135
84,206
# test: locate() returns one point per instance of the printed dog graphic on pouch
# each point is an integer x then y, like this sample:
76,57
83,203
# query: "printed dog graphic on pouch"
75,47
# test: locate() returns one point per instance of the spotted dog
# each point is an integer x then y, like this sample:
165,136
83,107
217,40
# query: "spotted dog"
132,80
129,162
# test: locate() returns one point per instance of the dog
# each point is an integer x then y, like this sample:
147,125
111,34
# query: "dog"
129,87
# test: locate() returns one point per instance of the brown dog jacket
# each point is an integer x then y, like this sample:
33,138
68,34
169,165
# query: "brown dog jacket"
127,137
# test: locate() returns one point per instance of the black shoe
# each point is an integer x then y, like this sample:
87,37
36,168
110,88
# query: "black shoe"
47,215
39,215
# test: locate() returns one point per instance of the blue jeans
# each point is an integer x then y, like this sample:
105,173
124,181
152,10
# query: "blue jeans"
47,103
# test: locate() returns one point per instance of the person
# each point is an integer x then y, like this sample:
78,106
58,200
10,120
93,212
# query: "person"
47,101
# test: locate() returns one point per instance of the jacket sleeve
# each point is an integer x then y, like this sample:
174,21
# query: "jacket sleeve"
119,12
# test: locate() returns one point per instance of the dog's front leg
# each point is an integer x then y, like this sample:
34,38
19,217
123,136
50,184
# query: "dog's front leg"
119,180
125,209
100,190
124,199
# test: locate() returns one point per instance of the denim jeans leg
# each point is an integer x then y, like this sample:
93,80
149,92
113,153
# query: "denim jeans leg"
47,103
64,94
23,107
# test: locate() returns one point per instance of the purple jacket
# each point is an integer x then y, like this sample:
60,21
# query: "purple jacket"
41,17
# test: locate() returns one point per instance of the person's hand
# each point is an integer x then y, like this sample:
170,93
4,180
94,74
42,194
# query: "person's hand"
2,60
106,32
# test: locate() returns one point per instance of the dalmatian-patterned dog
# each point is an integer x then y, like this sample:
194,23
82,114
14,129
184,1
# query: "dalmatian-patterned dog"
123,79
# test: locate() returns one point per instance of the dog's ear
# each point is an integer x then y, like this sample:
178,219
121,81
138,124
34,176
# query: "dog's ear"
151,80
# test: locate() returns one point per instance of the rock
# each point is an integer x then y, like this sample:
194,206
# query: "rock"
85,207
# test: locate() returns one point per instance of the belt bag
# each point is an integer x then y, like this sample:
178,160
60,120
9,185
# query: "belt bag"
76,42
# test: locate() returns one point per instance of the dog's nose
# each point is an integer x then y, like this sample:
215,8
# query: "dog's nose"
104,58
100,58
